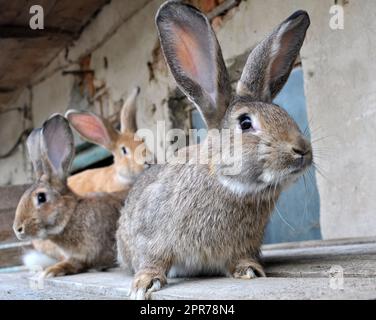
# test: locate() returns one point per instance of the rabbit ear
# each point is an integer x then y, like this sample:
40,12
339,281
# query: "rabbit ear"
33,147
93,128
57,147
195,59
269,64
128,113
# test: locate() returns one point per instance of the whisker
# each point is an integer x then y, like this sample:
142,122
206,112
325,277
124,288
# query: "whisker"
284,220
319,171
305,200
319,139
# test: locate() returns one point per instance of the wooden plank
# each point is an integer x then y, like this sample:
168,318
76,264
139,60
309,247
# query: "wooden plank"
319,243
21,32
6,223
359,266
9,197
11,253
22,58
18,11
313,252
63,14
355,259
19,59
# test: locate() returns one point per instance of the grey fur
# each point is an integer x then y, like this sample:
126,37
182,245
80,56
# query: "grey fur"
266,71
212,92
33,148
193,219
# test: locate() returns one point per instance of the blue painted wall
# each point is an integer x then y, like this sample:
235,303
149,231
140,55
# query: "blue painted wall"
297,216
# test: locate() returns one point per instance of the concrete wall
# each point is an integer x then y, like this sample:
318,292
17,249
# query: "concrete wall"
339,86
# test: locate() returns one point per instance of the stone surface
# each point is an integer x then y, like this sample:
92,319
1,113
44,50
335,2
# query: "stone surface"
16,286
311,271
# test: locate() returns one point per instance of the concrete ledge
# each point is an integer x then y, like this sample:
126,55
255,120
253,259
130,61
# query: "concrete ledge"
324,270
116,284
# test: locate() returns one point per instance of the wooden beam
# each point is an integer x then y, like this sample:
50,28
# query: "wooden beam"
25,32
9,197
222,8
5,90
11,253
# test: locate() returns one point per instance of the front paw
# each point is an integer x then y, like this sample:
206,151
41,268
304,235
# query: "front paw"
144,292
145,283
53,271
248,270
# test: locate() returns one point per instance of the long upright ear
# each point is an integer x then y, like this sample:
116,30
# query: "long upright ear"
195,59
128,112
93,128
33,148
57,147
269,64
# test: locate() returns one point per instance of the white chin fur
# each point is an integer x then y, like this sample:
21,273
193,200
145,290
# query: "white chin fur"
124,180
37,261
240,188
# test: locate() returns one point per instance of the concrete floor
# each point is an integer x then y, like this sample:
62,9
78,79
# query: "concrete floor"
17,286
311,270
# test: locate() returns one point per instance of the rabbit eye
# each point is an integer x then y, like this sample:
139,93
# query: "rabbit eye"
123,150
245,122
41,196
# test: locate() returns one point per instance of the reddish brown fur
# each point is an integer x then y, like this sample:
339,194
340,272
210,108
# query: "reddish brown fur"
122,173
107,179
80,230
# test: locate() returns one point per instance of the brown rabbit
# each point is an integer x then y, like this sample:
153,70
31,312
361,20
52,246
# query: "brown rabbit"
191,219
82,228
114,178
122,173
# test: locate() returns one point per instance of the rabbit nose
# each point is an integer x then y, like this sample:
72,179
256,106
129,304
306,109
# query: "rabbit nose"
299,151
20,230
304,156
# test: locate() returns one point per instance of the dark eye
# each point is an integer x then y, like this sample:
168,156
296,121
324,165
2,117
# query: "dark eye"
124,150
245,122
41,196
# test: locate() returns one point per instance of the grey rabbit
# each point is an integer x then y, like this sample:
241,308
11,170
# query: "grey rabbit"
192,219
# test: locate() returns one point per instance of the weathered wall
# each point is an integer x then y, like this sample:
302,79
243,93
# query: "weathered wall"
339,85
341,95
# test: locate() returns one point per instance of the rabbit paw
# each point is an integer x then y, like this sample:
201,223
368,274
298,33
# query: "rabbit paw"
248,270
53,271
62,268
146,283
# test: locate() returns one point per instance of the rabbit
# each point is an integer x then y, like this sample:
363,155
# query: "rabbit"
123,172
83,228
114,178
194,219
